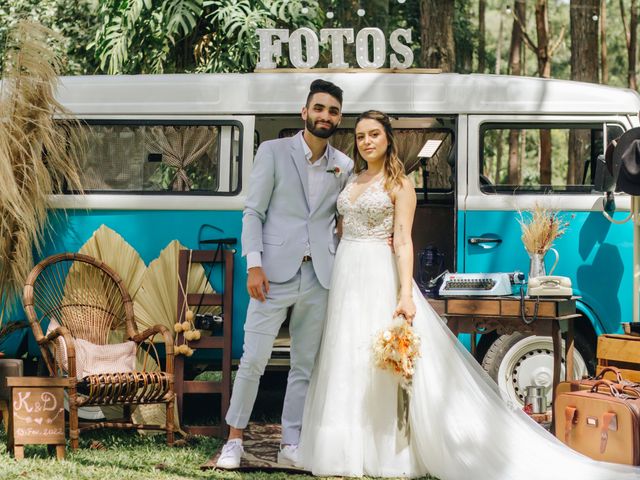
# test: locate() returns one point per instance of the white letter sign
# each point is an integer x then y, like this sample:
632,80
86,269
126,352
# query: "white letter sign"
362,48
269,49
337,36
295,48
370,42
400,48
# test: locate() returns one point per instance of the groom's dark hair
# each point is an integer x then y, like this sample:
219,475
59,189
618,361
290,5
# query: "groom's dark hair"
322,86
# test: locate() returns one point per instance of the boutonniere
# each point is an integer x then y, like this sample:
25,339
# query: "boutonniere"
335,170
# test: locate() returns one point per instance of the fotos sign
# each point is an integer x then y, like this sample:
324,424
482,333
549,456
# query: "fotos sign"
370,45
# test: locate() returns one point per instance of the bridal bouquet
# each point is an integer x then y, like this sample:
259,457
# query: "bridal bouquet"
397,348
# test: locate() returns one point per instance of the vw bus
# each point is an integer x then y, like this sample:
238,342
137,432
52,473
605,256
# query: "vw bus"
486,170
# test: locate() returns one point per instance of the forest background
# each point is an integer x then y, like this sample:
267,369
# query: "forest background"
591,40
586,40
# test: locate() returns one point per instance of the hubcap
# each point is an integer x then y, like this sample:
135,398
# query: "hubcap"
530,362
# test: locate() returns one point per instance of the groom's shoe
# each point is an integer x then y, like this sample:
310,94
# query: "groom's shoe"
231,455
289,455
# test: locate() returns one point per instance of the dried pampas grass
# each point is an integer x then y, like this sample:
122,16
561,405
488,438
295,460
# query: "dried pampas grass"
37,153
540,228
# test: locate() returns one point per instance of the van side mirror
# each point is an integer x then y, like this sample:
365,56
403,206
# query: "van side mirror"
603,181
606,171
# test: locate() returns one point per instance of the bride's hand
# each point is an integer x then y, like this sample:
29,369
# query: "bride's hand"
406,308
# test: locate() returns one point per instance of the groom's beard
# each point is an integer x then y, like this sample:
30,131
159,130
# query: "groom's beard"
321,132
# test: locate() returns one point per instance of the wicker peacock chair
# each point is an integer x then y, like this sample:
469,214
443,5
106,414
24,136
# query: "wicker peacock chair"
86,304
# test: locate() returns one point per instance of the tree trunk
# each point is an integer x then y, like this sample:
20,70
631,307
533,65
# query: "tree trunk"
515,68
545,157
436,23
584,67
630,35
514,151
542,30
520,12
584,40
499,47
604,66
498,178
482,54
543,55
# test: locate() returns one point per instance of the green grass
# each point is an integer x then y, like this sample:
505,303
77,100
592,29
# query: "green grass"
126,456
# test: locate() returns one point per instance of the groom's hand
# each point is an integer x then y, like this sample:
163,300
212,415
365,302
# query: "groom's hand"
257,284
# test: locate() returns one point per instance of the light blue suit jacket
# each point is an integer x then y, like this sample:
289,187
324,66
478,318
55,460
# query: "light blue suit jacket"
277,219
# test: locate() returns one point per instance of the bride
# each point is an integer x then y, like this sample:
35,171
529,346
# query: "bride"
460,427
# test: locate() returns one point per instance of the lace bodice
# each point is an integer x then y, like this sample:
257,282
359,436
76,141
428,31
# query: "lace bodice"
369,216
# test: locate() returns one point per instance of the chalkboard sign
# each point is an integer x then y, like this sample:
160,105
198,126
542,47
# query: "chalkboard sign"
36,413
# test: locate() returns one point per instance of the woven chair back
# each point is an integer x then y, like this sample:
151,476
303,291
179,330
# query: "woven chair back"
80,293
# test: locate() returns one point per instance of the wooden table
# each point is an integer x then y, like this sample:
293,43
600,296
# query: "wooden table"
504,315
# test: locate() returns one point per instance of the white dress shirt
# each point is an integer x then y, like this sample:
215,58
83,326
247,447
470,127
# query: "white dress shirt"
316,177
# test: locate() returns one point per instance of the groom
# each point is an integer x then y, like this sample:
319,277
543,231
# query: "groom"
289,242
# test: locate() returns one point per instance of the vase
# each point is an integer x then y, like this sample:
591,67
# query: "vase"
536,264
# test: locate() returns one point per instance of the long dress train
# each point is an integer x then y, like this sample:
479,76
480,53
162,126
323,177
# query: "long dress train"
460,427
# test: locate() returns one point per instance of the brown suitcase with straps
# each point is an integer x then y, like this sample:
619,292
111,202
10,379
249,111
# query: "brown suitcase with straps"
602,423
587,383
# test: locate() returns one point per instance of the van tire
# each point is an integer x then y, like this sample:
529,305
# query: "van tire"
528,355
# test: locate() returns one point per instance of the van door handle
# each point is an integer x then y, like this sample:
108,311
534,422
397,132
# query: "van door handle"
476,240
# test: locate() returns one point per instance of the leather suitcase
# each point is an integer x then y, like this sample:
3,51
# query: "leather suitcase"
602,423
587,383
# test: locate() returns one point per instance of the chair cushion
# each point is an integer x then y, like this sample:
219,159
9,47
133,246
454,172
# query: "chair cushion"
92,359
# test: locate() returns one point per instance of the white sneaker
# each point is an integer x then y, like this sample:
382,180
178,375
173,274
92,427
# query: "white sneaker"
231,455
289,456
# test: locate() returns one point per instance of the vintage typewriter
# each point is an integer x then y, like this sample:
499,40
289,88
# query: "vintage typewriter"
479,284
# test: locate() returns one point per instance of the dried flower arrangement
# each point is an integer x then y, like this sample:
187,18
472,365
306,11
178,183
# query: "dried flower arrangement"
397,349
541,228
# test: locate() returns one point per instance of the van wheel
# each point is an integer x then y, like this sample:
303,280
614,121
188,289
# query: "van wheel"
516,361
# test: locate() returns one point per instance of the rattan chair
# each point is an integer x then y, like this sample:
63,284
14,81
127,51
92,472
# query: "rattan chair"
90,302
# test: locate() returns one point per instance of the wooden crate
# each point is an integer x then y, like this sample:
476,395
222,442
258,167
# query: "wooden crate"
622,351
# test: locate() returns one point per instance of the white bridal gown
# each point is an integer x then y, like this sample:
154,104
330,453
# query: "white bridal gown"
460,427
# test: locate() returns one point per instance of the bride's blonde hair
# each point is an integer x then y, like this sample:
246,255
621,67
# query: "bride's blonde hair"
392,166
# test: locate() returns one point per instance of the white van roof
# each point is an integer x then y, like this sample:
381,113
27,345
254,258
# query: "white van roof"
285,93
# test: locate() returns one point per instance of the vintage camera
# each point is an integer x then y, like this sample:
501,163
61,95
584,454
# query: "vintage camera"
207,321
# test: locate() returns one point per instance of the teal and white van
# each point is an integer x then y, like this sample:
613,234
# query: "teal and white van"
486,169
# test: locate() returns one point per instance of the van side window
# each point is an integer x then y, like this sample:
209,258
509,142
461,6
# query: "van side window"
161,157
535,158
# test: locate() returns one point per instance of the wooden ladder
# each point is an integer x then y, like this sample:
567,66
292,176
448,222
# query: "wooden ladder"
185,387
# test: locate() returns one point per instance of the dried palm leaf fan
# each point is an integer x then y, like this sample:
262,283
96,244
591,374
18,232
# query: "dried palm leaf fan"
38,153
157,299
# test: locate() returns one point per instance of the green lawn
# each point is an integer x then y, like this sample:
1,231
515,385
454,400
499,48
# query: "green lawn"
122,456
127,455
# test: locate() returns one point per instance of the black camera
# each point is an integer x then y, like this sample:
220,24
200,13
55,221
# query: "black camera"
207,321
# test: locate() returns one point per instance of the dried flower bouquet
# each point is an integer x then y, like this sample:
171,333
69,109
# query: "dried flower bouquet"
540,228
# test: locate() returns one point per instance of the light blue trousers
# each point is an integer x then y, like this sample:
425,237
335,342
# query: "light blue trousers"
264,319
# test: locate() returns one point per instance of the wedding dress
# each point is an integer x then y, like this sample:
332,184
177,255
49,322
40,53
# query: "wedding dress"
460,427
